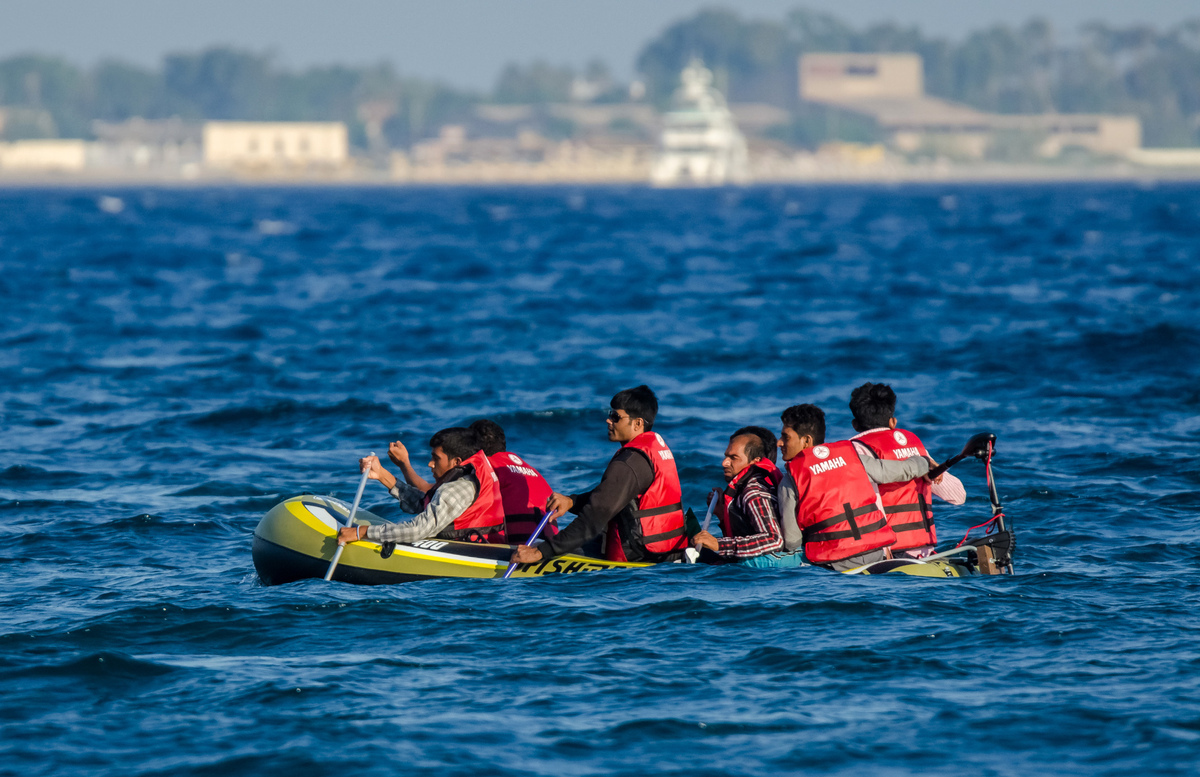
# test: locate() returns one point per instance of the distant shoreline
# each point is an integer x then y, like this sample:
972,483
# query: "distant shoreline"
1027,174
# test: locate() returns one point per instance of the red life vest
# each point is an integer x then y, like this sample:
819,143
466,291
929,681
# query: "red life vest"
653,523
525,493
483,521
837,509
763,468
901,500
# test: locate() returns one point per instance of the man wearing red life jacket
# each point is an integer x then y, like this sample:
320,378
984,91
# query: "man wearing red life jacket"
523,489
907,505
636,510
829,501
464,502
747,507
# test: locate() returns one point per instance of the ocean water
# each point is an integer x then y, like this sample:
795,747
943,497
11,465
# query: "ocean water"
173,362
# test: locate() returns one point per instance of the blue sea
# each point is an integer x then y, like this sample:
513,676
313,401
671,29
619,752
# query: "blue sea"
173,362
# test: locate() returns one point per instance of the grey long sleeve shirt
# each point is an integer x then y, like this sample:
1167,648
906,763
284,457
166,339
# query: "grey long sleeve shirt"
450,500
878,470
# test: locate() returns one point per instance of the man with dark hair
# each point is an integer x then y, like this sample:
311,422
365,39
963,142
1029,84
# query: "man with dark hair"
747,506
636,507
907,505
829,503
523,489
463,503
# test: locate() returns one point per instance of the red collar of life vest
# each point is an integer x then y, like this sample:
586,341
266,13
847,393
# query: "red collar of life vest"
487,511
737,485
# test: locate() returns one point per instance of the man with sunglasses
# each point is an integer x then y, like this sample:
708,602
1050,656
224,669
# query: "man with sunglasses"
635,513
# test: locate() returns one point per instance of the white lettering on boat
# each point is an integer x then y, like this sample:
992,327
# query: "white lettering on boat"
430,544
825,466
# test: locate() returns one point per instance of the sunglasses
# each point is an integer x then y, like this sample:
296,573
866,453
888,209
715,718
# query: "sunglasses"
615,417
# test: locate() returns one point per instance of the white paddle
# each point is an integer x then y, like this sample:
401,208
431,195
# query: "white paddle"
691,554
337,555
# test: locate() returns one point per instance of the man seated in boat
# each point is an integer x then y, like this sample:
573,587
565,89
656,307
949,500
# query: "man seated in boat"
907,505
636,512
463,503
747,507
828,497
523,489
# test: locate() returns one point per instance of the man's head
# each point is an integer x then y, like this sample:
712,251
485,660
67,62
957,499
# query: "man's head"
449,448
873,406
769,443
746,447
803,427
633,412
490,436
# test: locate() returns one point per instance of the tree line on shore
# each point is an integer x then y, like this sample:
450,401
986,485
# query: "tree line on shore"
1140,70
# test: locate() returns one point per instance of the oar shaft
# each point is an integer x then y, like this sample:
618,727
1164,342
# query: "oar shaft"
532,539
337,554
712,503
945,465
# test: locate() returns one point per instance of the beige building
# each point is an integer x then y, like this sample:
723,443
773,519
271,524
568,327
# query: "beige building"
889,89
452,157
847,77
68,155
282,145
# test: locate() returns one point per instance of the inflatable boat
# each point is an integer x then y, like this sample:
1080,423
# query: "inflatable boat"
297,538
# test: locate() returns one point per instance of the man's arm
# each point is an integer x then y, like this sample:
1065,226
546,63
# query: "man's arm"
760,506
449,502
788,502
399,456
950,489
411,499
881,471
626,476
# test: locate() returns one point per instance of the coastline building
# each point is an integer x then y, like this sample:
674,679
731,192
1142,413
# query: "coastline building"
65,155
164,146
700,144
276,146
889,89
454,157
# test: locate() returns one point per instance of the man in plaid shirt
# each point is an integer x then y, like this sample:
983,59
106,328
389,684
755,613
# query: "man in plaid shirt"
748,507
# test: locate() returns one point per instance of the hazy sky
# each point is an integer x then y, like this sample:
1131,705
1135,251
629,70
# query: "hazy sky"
466,42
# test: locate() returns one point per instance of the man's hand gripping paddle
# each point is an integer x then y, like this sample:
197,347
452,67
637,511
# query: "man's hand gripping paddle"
337,555
532,539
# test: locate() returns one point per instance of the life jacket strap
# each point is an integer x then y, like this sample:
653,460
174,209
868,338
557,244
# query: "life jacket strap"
818,531
669,535
920,506
675,508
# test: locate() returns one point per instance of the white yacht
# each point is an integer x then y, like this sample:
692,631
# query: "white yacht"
701,144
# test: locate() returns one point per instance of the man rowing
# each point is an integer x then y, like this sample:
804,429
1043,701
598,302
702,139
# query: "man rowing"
747,506
463,502
829,503
636,509
522,488
907,504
